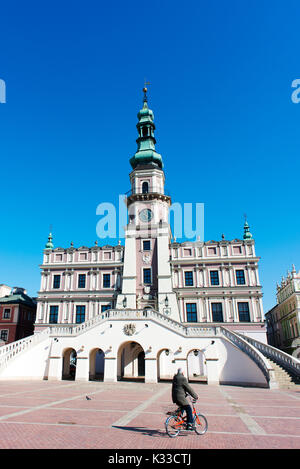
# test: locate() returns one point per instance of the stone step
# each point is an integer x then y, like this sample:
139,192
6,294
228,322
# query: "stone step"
284,379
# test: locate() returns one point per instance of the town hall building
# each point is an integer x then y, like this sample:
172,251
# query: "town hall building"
141,310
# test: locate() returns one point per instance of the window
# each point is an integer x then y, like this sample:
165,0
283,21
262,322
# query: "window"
83,256
188,278
81,281
80,314
237,250
145,187
4,334
6,313
214,277
56,281
240,277
106,280
107,256
187,252
244,315
53,318
105,307
212,251
217,312
191,312
147,276
58,257
146,245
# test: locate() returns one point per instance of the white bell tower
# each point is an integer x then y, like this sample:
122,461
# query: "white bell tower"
147,277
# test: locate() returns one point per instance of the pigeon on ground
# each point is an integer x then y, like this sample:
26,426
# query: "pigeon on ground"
88,398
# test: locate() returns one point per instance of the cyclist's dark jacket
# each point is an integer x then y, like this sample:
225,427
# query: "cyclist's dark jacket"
180,389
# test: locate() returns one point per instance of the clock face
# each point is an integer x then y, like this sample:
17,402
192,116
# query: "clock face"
146,215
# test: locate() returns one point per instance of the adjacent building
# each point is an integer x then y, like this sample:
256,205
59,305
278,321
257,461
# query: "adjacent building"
283,320
17,314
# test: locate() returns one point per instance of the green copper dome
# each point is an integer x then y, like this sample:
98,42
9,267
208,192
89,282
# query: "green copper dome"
145,114
146,152
49,245
247,234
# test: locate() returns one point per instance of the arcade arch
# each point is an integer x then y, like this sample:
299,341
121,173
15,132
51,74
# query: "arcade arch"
165,365
131,361
196,366
96,364
69,364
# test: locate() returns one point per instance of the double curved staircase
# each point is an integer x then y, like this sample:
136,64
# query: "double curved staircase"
280,369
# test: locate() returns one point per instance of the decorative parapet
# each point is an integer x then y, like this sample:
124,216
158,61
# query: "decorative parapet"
284,359
136,315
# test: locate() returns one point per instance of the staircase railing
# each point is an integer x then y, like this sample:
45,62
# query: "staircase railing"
284,359
253,352
136,315
10,351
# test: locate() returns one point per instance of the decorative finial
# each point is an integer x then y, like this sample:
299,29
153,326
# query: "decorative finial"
145,89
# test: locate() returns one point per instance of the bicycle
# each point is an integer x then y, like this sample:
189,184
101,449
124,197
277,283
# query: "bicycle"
177,423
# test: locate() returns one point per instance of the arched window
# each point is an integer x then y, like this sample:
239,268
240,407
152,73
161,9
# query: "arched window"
145,187
145,131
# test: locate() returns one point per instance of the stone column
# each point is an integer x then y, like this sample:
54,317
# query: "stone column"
150,370
55,368
110,369
212,365
212,370
82,368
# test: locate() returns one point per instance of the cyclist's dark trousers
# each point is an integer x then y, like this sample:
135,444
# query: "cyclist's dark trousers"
189,413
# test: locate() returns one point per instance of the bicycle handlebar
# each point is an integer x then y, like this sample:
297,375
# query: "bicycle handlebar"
192,399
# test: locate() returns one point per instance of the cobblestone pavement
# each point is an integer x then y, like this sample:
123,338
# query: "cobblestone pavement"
127,415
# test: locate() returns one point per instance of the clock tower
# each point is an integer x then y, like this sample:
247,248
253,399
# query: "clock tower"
147,280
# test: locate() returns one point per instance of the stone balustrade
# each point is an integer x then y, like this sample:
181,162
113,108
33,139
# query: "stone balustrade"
284,359
136,315
10,351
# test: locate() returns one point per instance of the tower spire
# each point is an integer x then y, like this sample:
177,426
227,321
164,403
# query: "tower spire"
146,153
247,234
49,244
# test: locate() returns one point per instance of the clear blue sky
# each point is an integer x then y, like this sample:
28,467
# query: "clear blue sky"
227,129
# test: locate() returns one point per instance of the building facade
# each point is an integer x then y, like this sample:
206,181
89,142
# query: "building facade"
283,320
191,282
17,314
145,308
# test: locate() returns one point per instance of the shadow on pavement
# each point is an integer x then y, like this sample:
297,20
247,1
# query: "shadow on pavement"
144,431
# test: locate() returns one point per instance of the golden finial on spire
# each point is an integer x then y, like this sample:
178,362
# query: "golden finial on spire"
145,89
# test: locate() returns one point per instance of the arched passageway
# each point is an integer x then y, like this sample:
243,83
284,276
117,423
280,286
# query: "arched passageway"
165,365
196,364
96,365
69,364
131,362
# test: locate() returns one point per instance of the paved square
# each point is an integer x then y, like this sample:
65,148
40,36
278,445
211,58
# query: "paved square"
127,415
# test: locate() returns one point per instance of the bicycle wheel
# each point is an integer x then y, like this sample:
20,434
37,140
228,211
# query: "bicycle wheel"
200,424
173,426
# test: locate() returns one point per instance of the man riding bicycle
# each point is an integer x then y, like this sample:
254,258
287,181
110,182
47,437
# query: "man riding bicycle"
180,389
